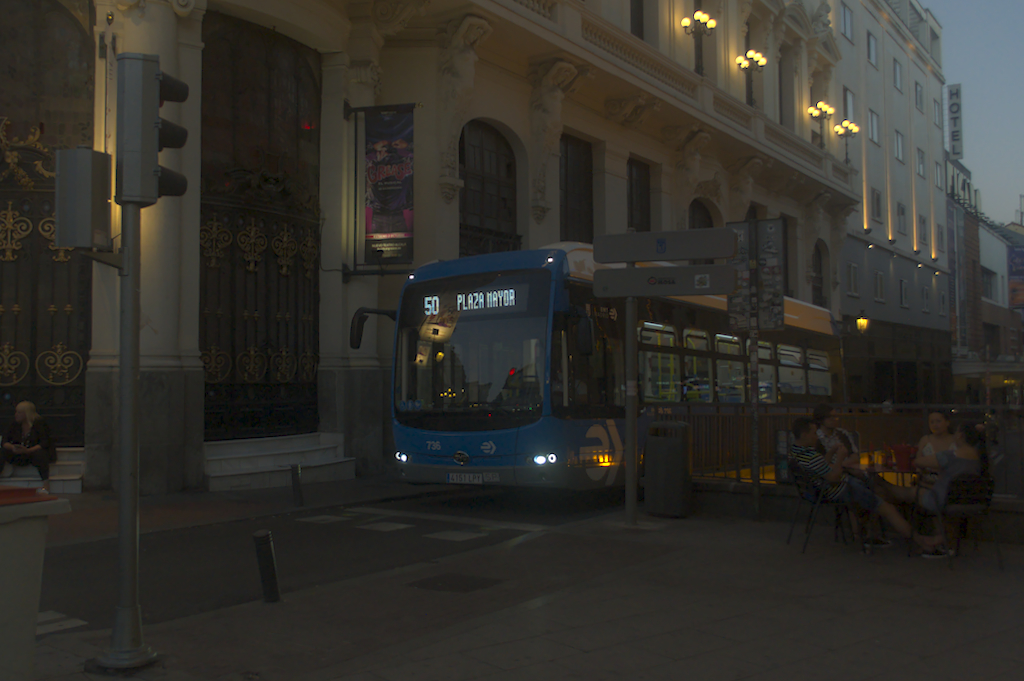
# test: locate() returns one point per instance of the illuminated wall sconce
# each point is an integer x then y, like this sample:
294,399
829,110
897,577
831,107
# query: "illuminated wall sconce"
862,322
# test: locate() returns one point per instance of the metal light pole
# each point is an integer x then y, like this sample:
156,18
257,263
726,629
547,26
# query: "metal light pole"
127,650
141,181
846,130
632,404
821,112
701,25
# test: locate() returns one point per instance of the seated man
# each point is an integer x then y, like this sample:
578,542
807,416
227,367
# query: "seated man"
827,476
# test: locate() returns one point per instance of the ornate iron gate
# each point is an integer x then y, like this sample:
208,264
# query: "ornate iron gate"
46,102
260,232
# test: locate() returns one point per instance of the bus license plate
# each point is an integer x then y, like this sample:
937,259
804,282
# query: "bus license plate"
466,478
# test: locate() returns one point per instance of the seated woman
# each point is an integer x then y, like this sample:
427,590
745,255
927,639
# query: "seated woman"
939,439
967,456
827,475
27,442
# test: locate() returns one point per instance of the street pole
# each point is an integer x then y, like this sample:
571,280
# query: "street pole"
127,650
631,408
755,458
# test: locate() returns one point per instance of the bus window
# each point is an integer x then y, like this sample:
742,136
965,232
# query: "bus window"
694,339
792,380
790,355
696,379
819,382
731,380
659,372
766,383
727,345
764,350
652,333
817,359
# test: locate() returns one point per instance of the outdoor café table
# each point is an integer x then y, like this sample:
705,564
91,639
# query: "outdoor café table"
868,471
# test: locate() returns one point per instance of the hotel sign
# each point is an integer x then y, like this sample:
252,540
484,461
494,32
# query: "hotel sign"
956,134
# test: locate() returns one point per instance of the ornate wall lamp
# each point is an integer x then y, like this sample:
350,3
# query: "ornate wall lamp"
752,61
699,26
821,113
703,26
846,130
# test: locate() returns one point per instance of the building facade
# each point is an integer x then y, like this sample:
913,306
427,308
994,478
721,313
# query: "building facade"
536,121
894,263
988,358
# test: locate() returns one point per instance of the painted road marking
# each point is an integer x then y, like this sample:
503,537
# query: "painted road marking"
324,519
456,535
385,527
460,520
49,622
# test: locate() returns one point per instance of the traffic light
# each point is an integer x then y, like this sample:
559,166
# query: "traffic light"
141,134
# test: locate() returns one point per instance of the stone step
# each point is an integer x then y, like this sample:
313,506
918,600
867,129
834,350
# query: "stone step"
71,454
344,469
266,462
266,445
68,468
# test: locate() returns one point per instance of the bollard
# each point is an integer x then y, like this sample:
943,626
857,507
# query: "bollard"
268,565
297,485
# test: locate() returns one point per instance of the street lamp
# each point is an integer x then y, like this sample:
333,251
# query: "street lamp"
846,130
821,113
705,24
701,25
752,59
750,63
862,322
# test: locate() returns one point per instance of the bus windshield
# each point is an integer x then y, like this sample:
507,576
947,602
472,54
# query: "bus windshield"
471,351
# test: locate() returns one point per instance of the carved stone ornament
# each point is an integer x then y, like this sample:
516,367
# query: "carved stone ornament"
742,187
689,161
820,22
450,188
630,111
365,73
710,189
391,16
552,81
458,71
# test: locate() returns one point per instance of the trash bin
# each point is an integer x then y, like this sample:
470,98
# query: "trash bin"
668,486
24,517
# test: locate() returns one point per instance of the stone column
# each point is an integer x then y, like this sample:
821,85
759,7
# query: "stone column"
350,382
170,378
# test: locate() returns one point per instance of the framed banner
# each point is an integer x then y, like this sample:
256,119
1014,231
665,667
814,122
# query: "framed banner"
389,184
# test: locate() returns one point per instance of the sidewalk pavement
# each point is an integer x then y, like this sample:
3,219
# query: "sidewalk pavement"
94,514
699,598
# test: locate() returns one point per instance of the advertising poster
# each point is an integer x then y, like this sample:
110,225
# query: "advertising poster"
771,278
389,178
739,302
1015,274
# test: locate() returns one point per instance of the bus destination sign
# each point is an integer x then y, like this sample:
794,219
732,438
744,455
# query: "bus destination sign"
486,300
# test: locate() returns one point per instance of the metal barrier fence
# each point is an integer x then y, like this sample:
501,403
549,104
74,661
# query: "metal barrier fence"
721,435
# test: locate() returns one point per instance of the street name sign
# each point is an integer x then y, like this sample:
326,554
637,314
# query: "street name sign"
696,280
692,244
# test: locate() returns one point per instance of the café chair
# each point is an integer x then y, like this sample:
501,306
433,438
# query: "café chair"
806,493
969,498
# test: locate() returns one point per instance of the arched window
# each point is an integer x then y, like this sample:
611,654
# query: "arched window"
819,273
487,204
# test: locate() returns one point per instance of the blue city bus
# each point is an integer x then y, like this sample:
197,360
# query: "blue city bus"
509,372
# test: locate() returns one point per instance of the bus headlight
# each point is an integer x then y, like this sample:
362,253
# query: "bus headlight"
552,458
401,456
540,459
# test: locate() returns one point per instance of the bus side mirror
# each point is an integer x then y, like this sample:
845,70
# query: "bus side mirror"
585,336
355,331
